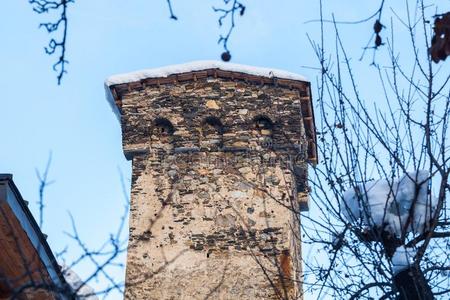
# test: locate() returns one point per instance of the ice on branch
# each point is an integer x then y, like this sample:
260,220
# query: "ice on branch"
395,205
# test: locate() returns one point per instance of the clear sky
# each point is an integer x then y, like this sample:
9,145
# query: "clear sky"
106,37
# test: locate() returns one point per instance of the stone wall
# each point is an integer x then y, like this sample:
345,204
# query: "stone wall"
219,175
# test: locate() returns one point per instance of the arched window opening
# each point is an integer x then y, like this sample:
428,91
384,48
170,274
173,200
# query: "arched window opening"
212,125
264,125
163,127
212,133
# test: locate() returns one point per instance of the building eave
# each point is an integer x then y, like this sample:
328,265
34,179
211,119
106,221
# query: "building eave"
29,225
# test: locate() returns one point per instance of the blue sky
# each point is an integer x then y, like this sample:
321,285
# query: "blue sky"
106,37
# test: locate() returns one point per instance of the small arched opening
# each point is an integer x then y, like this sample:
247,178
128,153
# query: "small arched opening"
212,131
162,127
162,131
264,127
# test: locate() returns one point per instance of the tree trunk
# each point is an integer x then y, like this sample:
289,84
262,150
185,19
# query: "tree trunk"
412,284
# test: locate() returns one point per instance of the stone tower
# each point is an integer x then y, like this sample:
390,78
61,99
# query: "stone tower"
219,155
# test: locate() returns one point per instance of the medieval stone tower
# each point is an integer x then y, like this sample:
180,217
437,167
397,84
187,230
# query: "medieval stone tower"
219,155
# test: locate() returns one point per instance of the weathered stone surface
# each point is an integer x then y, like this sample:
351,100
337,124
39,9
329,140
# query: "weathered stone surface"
212,104
213,213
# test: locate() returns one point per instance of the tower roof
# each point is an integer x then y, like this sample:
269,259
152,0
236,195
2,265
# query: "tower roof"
166,71
118,85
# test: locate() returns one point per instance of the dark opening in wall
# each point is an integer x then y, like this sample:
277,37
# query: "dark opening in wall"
263,123
212,133
163,127
264,126
212,125
162,132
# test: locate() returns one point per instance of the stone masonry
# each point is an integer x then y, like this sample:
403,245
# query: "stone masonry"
219,177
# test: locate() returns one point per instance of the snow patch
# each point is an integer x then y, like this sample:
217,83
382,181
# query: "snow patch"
190,67
387,204
85,292
198,66
402,259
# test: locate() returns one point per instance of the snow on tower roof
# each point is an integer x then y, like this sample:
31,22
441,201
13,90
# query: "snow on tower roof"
198,66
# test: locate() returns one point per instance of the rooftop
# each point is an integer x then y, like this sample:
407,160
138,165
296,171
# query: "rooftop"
22,240
166,71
